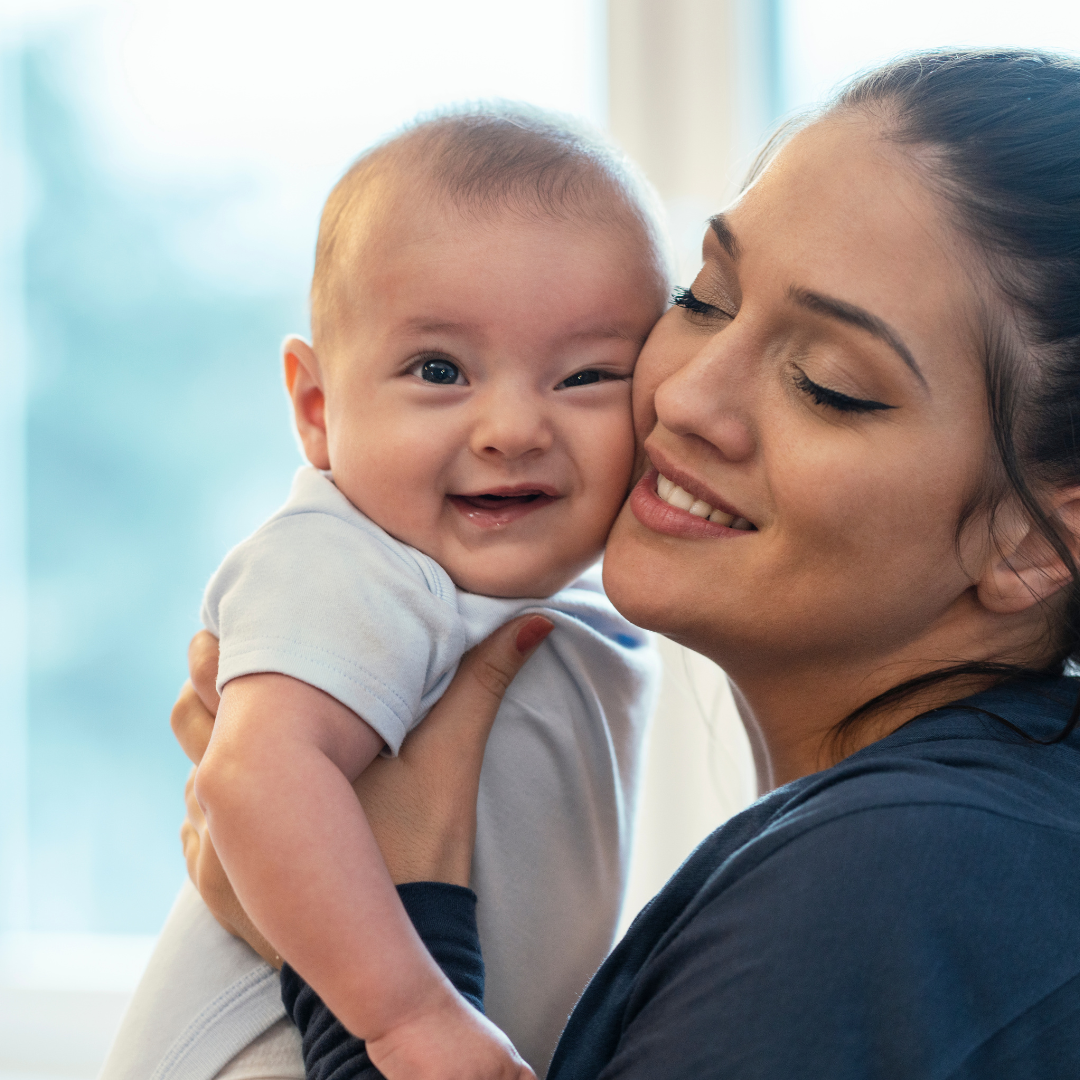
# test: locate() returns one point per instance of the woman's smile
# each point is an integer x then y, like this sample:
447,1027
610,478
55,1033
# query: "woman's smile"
681,499
663,506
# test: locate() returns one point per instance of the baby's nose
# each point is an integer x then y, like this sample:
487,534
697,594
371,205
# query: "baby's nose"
512,429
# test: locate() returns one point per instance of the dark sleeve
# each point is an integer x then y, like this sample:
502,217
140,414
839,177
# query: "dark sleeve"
445,918
902,942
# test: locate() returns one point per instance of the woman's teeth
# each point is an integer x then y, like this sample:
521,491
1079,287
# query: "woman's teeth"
674,495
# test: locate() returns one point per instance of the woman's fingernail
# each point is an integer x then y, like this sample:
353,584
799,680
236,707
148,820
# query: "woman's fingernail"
532,633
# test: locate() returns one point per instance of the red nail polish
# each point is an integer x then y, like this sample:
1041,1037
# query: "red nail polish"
532,633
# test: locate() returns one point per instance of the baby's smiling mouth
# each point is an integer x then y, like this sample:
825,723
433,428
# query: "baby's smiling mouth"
500,506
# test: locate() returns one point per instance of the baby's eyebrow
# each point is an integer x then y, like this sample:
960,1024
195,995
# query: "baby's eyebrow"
439,326
603,333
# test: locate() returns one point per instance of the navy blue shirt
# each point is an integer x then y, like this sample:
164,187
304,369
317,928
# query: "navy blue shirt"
911,912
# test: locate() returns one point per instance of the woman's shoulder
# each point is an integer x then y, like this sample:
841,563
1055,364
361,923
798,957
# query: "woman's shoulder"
884,917
893,937
926,887
957,826
991,753
967,776
889,817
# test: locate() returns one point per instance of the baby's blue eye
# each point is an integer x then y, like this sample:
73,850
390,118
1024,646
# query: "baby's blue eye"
585,378
439,371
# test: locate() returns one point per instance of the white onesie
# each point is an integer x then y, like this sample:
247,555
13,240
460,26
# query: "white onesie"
324,595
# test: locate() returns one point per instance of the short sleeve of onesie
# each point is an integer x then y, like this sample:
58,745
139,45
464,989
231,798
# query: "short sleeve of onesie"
322,594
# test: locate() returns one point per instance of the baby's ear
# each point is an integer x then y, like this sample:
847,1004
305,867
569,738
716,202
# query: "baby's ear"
303,380
1026,569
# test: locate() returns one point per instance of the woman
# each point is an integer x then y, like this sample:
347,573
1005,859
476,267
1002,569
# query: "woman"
877,368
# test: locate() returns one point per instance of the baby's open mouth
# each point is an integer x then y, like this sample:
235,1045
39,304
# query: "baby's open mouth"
497,502
500,507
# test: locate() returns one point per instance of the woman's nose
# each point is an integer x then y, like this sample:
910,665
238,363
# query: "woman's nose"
710,398
511,426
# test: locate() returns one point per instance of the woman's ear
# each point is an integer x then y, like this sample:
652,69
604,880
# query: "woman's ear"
1025,569
303,379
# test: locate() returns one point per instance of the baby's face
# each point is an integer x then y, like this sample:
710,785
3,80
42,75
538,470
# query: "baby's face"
477,390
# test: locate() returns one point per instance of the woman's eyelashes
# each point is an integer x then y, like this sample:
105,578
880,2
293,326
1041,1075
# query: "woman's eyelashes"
438,370
821,395
833,399
686,299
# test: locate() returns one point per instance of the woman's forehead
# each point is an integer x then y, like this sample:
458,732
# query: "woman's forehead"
839,194
841,177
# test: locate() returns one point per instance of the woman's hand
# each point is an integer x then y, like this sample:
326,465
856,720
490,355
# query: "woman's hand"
421,805
193,714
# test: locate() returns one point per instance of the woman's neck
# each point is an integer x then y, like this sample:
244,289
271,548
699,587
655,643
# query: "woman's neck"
782,754
794,713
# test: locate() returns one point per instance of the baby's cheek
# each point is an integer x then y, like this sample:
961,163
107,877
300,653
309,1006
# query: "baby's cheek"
624,450
644,413
613,470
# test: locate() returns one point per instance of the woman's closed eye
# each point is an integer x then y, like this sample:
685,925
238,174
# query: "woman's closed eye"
438,370
686,299
833,399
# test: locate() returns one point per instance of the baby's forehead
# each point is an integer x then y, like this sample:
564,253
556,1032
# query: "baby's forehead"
492,173
415,227
406,208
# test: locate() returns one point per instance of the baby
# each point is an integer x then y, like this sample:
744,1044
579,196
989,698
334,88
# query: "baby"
483,284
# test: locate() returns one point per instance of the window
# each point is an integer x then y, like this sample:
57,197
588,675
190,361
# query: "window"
164,165
822,42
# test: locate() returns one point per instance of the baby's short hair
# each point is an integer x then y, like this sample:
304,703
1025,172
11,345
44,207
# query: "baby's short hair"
489,158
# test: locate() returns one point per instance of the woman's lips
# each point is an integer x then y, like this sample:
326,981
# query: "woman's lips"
647,506
494,509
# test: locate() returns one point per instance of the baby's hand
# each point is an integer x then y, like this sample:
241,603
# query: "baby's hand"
451,1041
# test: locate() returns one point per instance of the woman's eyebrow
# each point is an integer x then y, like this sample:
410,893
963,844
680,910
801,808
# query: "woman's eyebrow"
856,316
719,225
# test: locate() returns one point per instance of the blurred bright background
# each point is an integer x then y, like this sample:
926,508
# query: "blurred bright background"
162,168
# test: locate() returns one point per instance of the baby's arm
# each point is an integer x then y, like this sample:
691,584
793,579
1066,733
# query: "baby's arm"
275,786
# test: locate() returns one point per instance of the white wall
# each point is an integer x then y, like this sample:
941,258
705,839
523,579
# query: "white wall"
698,771
690,95
690,92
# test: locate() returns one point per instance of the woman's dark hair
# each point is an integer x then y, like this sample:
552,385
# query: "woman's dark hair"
996,135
